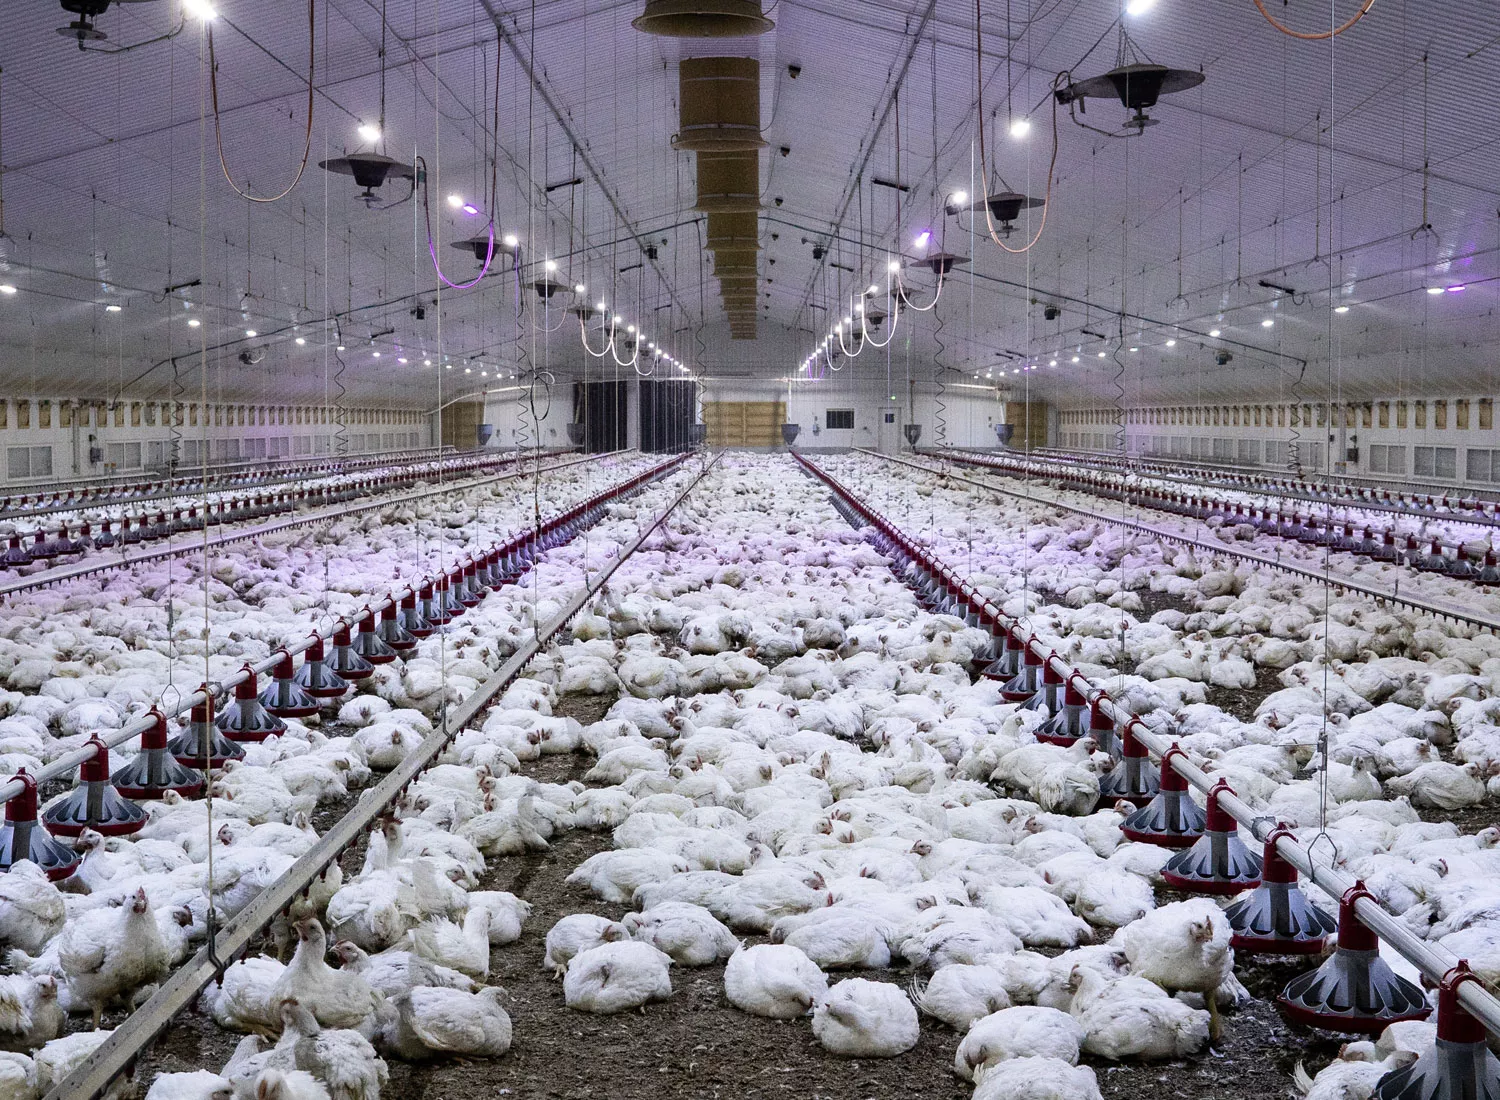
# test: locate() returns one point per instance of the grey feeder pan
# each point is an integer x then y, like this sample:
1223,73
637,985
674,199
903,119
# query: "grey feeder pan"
1219,863
201,745
94,803
154,771
913,432
22,836
1355,990
345,662
246,719
575,435
1277,918
395,636
789,433
315,677
1459,1066
1005,433
1067,725
1171,819
284,697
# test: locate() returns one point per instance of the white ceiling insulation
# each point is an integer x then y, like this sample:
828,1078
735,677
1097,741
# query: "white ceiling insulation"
1298,164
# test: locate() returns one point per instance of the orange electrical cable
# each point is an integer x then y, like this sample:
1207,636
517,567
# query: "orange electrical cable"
1321,35
213,84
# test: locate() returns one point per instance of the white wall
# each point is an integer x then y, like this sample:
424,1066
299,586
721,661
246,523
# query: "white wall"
970,414
509,412
129,439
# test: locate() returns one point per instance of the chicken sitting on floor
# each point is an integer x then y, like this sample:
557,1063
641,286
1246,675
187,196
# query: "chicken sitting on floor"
1182,947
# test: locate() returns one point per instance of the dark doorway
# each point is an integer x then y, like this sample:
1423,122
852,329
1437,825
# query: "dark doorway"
667,413
600,408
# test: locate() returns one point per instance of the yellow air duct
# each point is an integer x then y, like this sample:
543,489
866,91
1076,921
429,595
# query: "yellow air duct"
702,18
720,105
729,183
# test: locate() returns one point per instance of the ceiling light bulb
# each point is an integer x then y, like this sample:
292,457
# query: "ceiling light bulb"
1456,288
1341,309
894,266
550,265
7,288
848,320
873,289
1053,363
1020,127
470,209
400,360
193,322
1267,323
1171,343
376,354
484,374
427,362
1075,358
468,370
1213,332
1101,355
1139,7
301,341
580,289
368,132
339,348
922,238
455,201
511,241
599,307
630,329
617,319
112,308
447,366
200,9
251,333
1434,290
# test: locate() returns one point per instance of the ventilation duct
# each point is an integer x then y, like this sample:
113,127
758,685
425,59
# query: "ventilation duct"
729,183
720,98
733,233
702,19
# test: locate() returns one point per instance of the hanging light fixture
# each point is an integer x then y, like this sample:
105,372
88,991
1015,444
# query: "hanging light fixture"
702,18
84,13
1004,206
1136,81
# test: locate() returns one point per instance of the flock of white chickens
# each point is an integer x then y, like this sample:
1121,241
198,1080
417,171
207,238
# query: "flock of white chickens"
801,781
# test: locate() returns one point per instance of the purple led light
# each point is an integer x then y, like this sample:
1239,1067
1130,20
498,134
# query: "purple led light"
469,208
1456,288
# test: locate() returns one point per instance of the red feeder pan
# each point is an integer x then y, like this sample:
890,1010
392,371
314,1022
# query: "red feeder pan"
202,746
284,697
1132,778
1355,990
412,619
1277,918
94,804
1459,1066
315,677
1008,663
345,662
1048,698
372,646
1171,819
1219,862
154,771
1066,726
22,837
1023,685
246,719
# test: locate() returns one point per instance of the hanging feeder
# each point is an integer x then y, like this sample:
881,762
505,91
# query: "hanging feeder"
1008,663
912,432
1066,726
1219,863
200,745
373,646
1277,918
94,803
413,622
246,719
484,247
1004,206
702,19
1355,990
345,662
1048,697
85,12
284,697
315,677
22,837
370,171
1024,684
154,771
1171,819
1459,1066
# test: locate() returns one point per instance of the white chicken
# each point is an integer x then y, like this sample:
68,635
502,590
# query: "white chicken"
773,980
858,1018
432,1023
614,977
1035,1079
690,934
1182,947
465,948
31,907
1025,1031
343,1060
336,998
1134,1018
112,955
579,932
